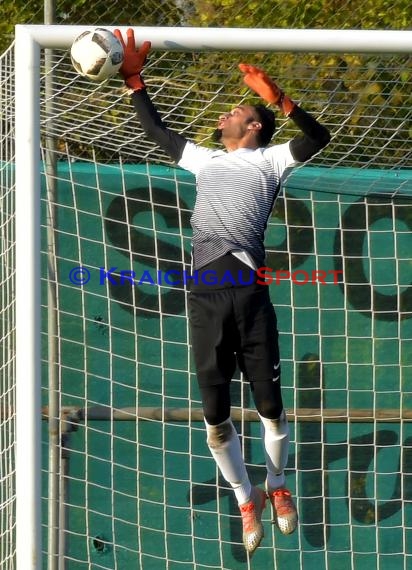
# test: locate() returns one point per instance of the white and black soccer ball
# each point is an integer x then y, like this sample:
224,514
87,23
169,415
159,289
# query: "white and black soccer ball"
97,54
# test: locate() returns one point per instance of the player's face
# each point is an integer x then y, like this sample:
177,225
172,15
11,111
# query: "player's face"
234,125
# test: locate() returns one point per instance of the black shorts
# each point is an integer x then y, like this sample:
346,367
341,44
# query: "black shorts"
230,326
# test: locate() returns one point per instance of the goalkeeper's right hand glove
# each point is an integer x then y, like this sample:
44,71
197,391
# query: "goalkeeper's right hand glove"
260,82
133,60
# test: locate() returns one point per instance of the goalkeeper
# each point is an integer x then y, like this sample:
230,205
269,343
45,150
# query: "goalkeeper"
236,323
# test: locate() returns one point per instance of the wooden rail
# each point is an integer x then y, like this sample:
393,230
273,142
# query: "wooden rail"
332,415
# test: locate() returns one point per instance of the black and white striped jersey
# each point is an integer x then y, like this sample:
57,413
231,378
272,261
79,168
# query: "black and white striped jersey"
236,192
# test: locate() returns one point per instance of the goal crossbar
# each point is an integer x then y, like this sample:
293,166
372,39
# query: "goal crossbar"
241,39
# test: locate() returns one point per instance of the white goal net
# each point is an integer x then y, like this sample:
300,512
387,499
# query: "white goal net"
126,478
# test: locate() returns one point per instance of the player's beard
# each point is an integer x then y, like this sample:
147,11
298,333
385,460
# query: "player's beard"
217,135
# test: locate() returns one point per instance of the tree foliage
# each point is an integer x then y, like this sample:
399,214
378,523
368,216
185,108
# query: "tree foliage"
347,81
339,14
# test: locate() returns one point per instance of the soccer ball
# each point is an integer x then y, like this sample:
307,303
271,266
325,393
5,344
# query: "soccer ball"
97,54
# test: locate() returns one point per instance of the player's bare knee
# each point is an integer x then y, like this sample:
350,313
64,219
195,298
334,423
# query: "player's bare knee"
218,435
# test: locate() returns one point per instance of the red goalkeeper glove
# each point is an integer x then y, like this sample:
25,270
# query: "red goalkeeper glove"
260,82
133,60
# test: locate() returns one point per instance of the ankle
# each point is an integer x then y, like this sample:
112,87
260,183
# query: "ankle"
274,482
243,492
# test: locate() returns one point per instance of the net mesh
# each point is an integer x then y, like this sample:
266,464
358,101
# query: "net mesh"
7,316
365,101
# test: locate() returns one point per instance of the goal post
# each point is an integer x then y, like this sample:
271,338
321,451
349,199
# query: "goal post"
27,283
29,41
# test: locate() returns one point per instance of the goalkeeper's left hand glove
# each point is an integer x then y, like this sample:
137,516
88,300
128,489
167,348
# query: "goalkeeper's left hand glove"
260,82
133,60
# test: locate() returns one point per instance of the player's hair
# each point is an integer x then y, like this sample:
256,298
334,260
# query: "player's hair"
267,119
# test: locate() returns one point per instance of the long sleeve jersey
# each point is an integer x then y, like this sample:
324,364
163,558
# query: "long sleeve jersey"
236,190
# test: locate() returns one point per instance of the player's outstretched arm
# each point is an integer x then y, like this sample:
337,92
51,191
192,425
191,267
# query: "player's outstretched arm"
315,136
152,124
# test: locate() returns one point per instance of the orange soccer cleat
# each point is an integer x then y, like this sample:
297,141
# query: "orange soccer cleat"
251,512
284,510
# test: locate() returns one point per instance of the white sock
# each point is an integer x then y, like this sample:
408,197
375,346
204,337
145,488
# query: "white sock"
275,435
224,445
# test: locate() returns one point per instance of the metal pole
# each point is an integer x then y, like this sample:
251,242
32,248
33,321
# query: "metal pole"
56,534
247,39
